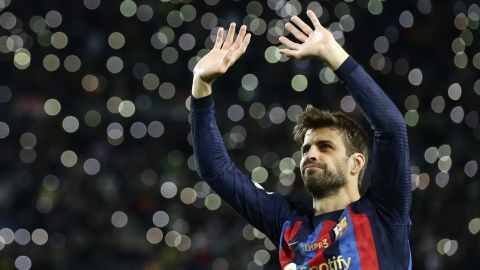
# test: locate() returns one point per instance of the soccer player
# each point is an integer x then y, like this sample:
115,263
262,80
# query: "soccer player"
344,230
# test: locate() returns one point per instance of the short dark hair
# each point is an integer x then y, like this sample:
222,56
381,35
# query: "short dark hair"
354,136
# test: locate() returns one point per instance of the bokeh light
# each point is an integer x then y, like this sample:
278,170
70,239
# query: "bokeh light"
154,236
69,158
299,83
119,219
22,58
160,219
168,190
128,8
40,237
95,128
90,83
22,237
114,64
23,262
70,124
72,63
474,226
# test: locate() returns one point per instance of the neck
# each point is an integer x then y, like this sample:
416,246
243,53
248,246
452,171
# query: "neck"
339,201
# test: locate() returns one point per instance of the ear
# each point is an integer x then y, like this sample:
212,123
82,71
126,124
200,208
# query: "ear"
358,163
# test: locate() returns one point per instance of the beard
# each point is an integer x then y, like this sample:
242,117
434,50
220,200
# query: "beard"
325,182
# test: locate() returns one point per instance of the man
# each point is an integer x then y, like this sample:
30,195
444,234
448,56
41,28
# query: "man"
345,231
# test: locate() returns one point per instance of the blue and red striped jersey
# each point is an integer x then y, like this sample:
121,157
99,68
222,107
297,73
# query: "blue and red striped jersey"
371,233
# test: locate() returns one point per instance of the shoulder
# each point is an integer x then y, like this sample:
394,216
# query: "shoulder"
299,207
293,210
376,213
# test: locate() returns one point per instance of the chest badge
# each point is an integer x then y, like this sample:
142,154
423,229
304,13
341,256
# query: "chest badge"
340,228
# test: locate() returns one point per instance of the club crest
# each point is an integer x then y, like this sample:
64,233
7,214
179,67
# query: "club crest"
340,227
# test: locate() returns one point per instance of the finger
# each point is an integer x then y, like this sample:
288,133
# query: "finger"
314,19
239,48
241,35
295,32
219,39
245,42
230,35
288,52
287,42
238,41
236,52
305,28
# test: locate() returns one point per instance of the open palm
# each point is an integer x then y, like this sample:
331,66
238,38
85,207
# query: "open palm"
314,42
223,55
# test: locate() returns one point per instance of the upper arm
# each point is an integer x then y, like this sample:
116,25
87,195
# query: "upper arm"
262,209
391,185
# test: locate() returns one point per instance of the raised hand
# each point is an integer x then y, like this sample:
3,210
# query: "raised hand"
317,43
223,55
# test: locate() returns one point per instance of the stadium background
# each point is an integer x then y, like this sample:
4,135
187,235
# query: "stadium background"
96,160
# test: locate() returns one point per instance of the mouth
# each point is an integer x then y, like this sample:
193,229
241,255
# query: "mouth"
311,167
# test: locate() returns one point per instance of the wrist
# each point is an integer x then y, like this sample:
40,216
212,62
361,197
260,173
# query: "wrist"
335,55
200,88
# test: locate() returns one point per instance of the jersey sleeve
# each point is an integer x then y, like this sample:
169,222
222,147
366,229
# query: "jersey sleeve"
390,188
263,210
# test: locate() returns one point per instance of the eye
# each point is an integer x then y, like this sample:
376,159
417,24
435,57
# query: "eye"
325,146
305,149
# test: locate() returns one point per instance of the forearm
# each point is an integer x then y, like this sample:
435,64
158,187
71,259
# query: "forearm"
210,153
377,107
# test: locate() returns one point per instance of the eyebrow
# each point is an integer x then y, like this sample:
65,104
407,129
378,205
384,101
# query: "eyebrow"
318,142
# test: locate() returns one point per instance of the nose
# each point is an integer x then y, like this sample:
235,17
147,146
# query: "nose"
312,153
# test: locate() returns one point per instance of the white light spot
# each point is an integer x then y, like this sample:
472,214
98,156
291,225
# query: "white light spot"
68,158
457,114
91,166
4,130
249,82
22,237
23,263
39,237
154,236
471,168
115,131
415,76
119,219
7,235
53,18
406,19
347,104
455,91
160,219
277,115
156,129
235,113
138,130
168,190
70,124
474,226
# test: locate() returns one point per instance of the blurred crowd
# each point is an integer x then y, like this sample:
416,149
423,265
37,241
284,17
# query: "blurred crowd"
96,160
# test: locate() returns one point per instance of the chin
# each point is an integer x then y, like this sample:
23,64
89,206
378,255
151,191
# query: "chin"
321,186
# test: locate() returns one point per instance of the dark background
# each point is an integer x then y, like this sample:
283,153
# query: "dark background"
147,173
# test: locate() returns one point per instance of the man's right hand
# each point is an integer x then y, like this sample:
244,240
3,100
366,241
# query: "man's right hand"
223,55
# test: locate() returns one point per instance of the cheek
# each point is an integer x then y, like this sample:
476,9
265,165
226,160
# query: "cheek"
344,165
302,161
333,163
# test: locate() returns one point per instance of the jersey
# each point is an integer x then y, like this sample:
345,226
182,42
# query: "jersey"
371,233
